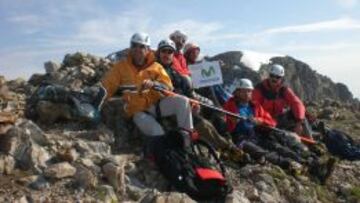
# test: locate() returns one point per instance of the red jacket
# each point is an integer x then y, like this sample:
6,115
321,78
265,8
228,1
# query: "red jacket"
259,113
180,64
276,101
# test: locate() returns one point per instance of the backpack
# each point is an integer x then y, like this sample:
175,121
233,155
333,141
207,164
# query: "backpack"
340,144
85,106
191,167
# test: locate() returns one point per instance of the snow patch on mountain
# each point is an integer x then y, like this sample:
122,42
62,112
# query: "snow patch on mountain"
254,60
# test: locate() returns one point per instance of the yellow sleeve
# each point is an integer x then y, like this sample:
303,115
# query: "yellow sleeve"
164,78
111,81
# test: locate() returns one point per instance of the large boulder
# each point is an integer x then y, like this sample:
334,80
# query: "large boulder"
115,174
51,67
60,170
26,142
7,164
85,177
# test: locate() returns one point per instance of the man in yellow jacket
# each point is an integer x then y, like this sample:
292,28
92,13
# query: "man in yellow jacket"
137,75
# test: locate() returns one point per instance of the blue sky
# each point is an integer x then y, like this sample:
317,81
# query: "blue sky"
323,33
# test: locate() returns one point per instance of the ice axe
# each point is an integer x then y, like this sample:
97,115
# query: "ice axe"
164,91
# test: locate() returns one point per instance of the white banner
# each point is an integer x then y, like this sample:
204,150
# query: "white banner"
206,74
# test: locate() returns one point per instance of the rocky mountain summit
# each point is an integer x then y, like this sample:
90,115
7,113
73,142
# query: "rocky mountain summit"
306,82
56,159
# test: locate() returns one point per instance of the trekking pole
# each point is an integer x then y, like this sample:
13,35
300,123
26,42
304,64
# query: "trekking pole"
194,101
218,109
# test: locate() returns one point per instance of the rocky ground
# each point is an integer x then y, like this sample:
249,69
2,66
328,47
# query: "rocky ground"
52,160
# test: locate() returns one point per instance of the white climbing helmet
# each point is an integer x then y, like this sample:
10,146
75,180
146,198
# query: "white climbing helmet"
245,84
277,70
141,38
166,43
178,34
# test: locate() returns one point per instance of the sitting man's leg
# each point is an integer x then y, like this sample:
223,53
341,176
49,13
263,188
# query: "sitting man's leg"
148,125
257,153
151,129
178,106
287,121
209,133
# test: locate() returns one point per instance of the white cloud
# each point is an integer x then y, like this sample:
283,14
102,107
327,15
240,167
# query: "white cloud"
197,30
115,31
112,29
335,46
347,3
30,19
28,23
334,25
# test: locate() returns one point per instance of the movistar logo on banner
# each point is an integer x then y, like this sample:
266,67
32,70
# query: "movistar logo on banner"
205,73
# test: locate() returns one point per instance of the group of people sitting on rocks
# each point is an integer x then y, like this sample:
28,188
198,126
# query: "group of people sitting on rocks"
146,75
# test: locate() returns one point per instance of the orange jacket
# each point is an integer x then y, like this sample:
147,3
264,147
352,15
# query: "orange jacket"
125,74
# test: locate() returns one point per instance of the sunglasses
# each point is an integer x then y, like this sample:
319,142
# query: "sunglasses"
137,45
166,51
275,76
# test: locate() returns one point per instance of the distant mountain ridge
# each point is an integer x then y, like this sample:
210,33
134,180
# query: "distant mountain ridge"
306,82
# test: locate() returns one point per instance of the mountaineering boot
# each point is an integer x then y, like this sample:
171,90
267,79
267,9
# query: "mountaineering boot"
236,154
296,169
319,149
152,147
322,170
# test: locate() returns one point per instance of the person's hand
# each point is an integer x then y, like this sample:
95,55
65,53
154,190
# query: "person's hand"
222,63
147,84
255,120
195,107
298,129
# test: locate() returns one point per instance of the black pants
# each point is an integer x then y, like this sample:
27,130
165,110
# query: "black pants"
287,121
276,149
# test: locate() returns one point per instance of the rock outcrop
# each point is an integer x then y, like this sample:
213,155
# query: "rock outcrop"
307,83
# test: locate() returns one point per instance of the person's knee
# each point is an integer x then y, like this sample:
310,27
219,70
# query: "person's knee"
147,125
181,102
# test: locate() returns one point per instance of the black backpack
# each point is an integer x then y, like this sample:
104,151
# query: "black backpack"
340,144
191,167
85,106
